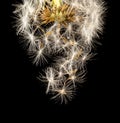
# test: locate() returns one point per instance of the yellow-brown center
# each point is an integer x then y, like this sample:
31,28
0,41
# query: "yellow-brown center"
63,14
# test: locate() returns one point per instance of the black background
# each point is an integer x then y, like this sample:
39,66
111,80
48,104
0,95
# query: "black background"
27,95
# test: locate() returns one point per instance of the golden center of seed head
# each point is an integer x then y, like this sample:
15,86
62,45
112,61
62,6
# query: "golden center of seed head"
62,14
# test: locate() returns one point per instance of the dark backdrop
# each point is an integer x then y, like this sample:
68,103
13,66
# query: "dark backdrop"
27,95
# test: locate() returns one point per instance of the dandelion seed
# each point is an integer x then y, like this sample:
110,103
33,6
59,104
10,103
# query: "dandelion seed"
39,57
64,93
52,82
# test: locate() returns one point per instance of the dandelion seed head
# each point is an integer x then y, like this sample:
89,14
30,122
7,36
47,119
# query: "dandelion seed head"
65,28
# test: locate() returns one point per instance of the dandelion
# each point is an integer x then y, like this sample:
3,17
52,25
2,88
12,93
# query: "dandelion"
65,28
